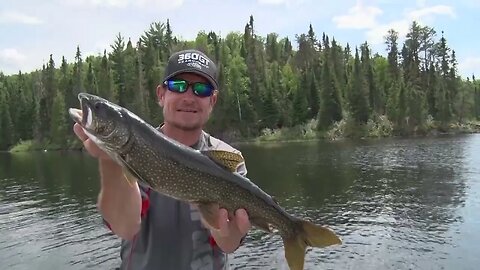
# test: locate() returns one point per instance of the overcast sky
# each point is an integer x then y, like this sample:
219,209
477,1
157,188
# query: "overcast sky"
31,30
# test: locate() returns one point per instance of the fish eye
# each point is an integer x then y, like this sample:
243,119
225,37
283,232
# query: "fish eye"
97,106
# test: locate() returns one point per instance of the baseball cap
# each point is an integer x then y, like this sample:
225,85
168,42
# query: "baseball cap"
193,61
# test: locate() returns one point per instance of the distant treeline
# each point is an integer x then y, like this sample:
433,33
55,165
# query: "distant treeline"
265,84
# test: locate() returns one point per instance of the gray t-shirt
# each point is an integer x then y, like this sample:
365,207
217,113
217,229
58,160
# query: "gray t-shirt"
171,236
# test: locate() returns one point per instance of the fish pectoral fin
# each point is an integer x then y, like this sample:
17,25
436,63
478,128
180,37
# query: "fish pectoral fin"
226,159
210,214
261,224
130,174
129,177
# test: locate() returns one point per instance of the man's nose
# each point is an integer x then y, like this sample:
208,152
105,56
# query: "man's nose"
189,93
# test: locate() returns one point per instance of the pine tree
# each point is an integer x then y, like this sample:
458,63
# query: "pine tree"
432,89
330,103
392,93
23,119
373,93
105,81
50,84
6,125
358,93
91,80
41,123
443,96
58,130
141,96
476,92
118,67
78,85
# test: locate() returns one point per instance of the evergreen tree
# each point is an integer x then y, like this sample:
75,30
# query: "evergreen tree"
358,93
91,80
443,96
118,67
24,109
330,103
105,79
78,85
58,131
6,125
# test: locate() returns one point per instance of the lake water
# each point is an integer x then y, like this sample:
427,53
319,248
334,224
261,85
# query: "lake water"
396,203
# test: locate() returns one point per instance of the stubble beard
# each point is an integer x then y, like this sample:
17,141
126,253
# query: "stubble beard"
187,127
192,126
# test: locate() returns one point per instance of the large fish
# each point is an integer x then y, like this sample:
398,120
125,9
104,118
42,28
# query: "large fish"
206,178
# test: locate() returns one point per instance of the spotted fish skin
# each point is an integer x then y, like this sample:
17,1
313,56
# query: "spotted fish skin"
205,178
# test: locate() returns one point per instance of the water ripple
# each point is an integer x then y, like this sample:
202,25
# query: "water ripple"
397,204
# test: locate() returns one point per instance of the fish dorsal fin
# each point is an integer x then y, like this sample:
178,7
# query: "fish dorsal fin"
226,159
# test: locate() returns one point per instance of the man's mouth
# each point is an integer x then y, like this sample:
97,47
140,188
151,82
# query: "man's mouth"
187,110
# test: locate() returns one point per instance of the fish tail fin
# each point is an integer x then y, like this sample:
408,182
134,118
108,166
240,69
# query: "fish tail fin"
309,234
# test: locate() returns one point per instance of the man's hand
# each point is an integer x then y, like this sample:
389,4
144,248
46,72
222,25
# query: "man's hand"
89,145
232,228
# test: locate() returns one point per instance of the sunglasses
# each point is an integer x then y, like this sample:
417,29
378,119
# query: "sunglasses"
200,89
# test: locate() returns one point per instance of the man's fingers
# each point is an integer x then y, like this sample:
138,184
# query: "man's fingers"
242,220
94,150
91,148
223,222
79,132
89,145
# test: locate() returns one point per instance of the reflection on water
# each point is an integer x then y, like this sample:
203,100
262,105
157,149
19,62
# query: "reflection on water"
397,204
48,218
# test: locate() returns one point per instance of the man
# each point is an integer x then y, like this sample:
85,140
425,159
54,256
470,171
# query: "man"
159,232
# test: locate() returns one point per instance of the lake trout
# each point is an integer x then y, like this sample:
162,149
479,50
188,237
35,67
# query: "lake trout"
205,178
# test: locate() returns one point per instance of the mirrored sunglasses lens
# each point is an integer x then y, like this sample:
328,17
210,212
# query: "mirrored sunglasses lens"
203,89
177,86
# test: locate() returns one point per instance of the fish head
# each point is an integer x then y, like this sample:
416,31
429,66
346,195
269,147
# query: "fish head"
103,121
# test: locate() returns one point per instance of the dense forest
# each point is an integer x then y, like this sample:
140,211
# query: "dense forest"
270,87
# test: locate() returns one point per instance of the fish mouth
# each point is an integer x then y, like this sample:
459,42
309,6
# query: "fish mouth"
84,115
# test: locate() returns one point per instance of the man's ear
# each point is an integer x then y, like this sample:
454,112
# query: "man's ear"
160,94
213,98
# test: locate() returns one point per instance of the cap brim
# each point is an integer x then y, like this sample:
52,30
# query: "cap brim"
196,71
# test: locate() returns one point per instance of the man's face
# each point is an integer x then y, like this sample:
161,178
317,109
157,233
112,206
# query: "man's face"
186,111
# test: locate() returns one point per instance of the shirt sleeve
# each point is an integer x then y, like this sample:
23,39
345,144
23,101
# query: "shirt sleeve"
242,169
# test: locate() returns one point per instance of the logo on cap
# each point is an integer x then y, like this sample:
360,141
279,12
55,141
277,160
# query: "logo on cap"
193,59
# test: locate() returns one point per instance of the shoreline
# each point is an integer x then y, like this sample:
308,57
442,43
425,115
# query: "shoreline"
31,147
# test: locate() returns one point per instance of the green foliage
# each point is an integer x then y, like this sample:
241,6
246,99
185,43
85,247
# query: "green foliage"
302,132
345,128
330,103
268,87
379,126
358,93
24,146
58,127
6,125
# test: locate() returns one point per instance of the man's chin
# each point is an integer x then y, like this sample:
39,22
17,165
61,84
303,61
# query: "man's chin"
187,126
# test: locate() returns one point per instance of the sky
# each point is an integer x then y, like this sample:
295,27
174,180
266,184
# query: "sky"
31,30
